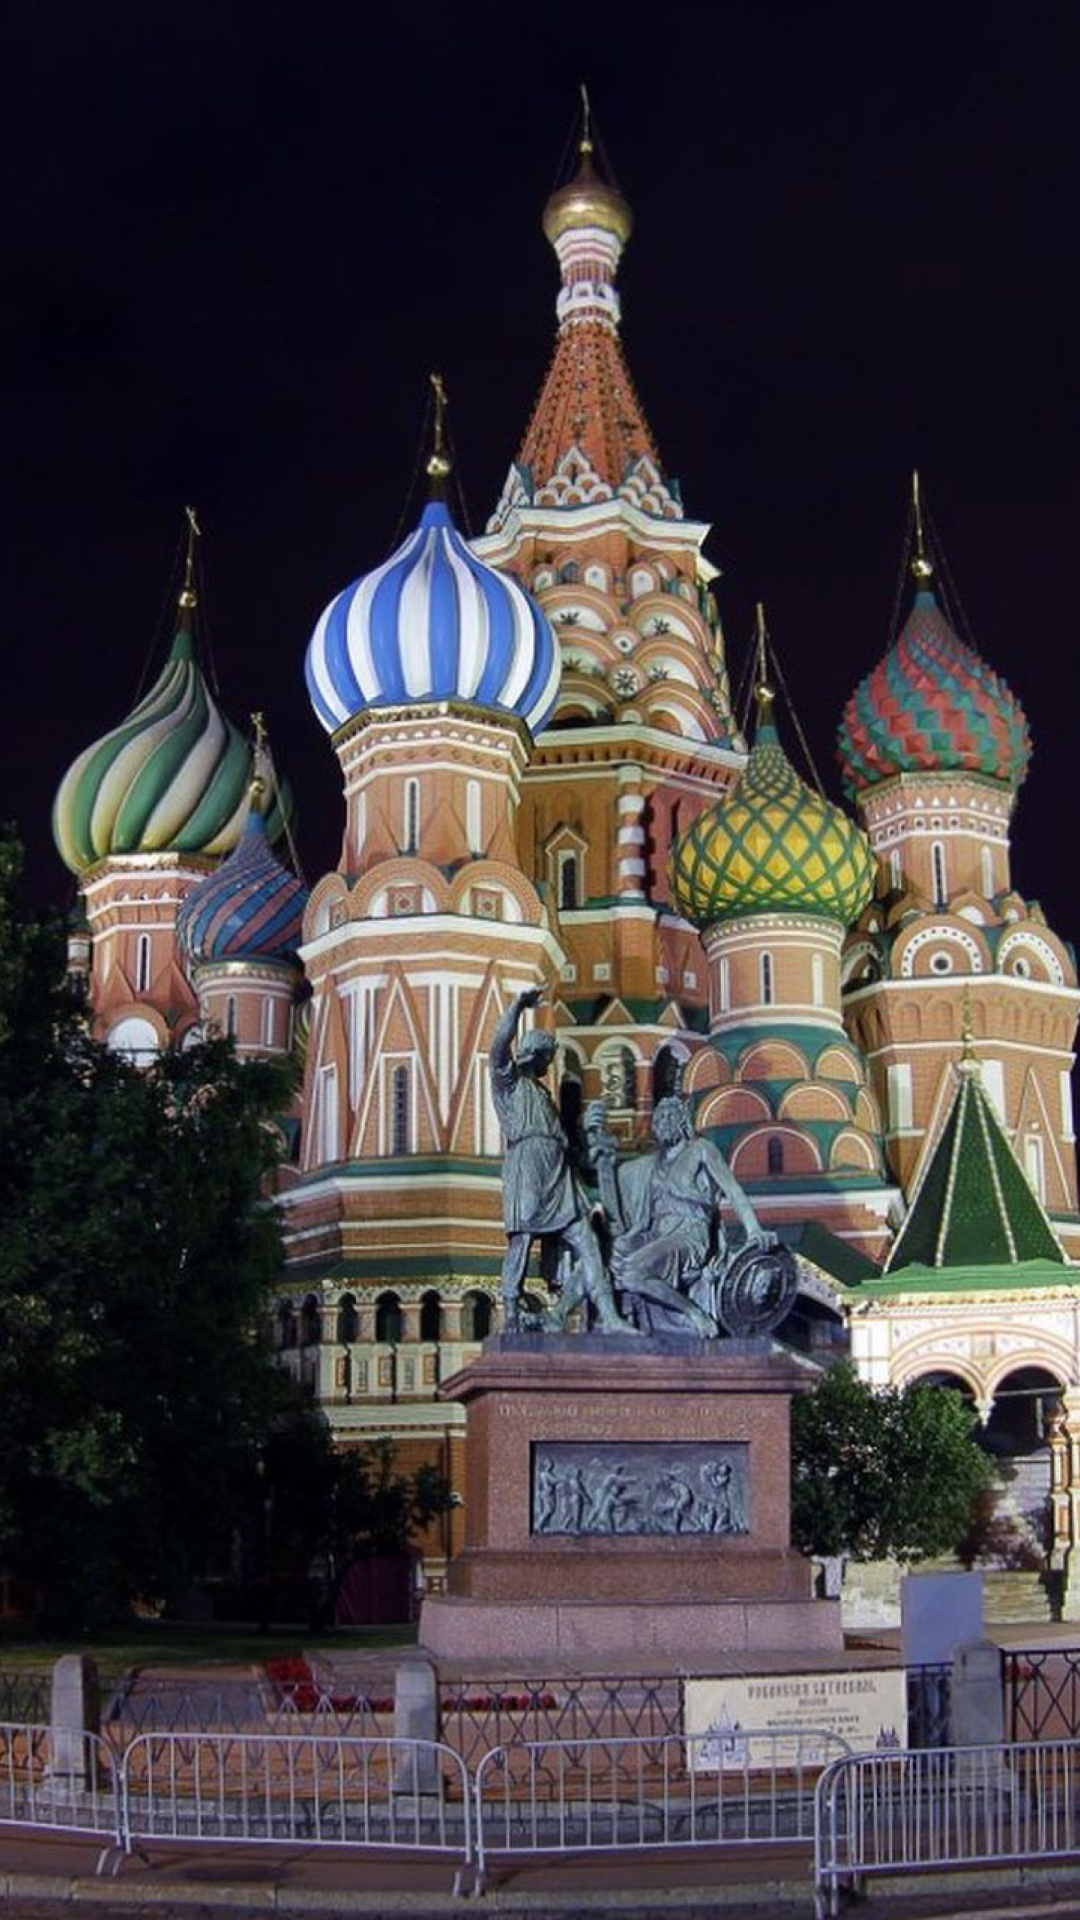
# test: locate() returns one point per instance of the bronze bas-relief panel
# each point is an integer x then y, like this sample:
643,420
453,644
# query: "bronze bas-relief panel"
635,1488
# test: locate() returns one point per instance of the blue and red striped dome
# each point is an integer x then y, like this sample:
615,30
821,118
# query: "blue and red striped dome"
932,706
250,909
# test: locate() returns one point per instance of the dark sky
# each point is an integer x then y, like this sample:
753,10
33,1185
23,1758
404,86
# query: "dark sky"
237,237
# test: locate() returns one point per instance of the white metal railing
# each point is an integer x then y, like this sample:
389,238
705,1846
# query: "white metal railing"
314,1789
648,1791
944,1807
60,1779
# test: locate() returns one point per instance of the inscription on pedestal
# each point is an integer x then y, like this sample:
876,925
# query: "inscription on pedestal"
639,1487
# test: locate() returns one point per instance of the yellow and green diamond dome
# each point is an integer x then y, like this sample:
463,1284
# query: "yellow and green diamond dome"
773,846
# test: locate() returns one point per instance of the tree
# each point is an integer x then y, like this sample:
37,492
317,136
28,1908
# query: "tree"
137,1254
336,1506
894,1471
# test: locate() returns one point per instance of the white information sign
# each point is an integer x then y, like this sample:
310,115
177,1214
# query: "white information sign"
866,1707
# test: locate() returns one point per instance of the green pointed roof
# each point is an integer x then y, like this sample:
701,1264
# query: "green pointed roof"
974,1206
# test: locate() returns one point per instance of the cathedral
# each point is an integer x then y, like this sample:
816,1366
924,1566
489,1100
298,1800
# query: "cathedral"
546,786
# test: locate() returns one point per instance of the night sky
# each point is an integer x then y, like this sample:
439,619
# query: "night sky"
238,236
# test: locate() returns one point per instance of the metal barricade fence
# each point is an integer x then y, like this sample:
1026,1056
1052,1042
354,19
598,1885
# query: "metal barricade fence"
943,1807
631,1793
318,1789
64,1780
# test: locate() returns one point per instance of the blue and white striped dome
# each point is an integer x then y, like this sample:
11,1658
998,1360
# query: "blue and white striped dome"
433,623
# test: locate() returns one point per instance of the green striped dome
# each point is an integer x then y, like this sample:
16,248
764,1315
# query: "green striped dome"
774,846
172,778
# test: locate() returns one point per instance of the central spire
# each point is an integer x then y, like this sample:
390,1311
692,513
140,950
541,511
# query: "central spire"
588,439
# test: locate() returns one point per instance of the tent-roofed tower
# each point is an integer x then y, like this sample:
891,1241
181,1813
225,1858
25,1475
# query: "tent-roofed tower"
642,736
934,747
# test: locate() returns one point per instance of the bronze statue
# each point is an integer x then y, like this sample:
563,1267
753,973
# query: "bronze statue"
541,1197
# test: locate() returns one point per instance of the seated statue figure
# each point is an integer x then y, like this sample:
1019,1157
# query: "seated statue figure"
669,1250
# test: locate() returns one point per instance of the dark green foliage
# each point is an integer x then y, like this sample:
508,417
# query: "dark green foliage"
879,1473
136,1257
330,1507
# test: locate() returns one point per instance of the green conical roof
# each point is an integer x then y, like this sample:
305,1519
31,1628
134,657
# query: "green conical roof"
974,1206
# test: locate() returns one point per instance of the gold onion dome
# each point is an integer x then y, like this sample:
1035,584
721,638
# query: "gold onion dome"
773,846
587,201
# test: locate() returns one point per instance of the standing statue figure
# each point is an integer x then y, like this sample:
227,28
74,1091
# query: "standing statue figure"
541,1198
672,1248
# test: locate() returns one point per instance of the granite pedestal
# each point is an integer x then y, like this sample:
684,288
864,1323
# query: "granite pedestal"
627,1496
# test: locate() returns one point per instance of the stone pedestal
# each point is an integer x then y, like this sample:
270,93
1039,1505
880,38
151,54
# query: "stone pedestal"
627,1497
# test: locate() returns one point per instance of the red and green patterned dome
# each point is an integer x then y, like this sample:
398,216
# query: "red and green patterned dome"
932,706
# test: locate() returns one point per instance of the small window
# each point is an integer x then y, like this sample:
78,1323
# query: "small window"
1021,967
230,1017
1033,1161
986,860
269,1021
348,1320
310,1322
725,985
767,979
388,1319
896,869
476,1316
473,817
286,1325
412,816
937,861
900,1097
941,962
775,1155
328,1114
142,964
817,979
568,881
400,1111
430,1316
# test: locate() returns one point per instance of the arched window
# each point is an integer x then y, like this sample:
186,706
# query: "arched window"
388,1321
937,862
817,979
775,1155
360,818
310,1322
286,1325
896,869
400,1111
230,1016
328,1113
269,1021
430,1316
767,979
348,1320
142,964
135,1038
724,972
412,816
476,1316
986,861
568,881
474,831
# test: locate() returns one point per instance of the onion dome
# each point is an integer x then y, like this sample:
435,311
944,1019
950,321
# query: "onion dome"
171,778
251,908
433,623
587,201
931,705
773,846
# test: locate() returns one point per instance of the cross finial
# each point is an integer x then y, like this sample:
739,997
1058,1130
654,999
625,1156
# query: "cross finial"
969,1062
258,759
921,565
763,690
439,462
585,144
188,596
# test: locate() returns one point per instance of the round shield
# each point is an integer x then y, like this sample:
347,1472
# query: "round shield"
758,1291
